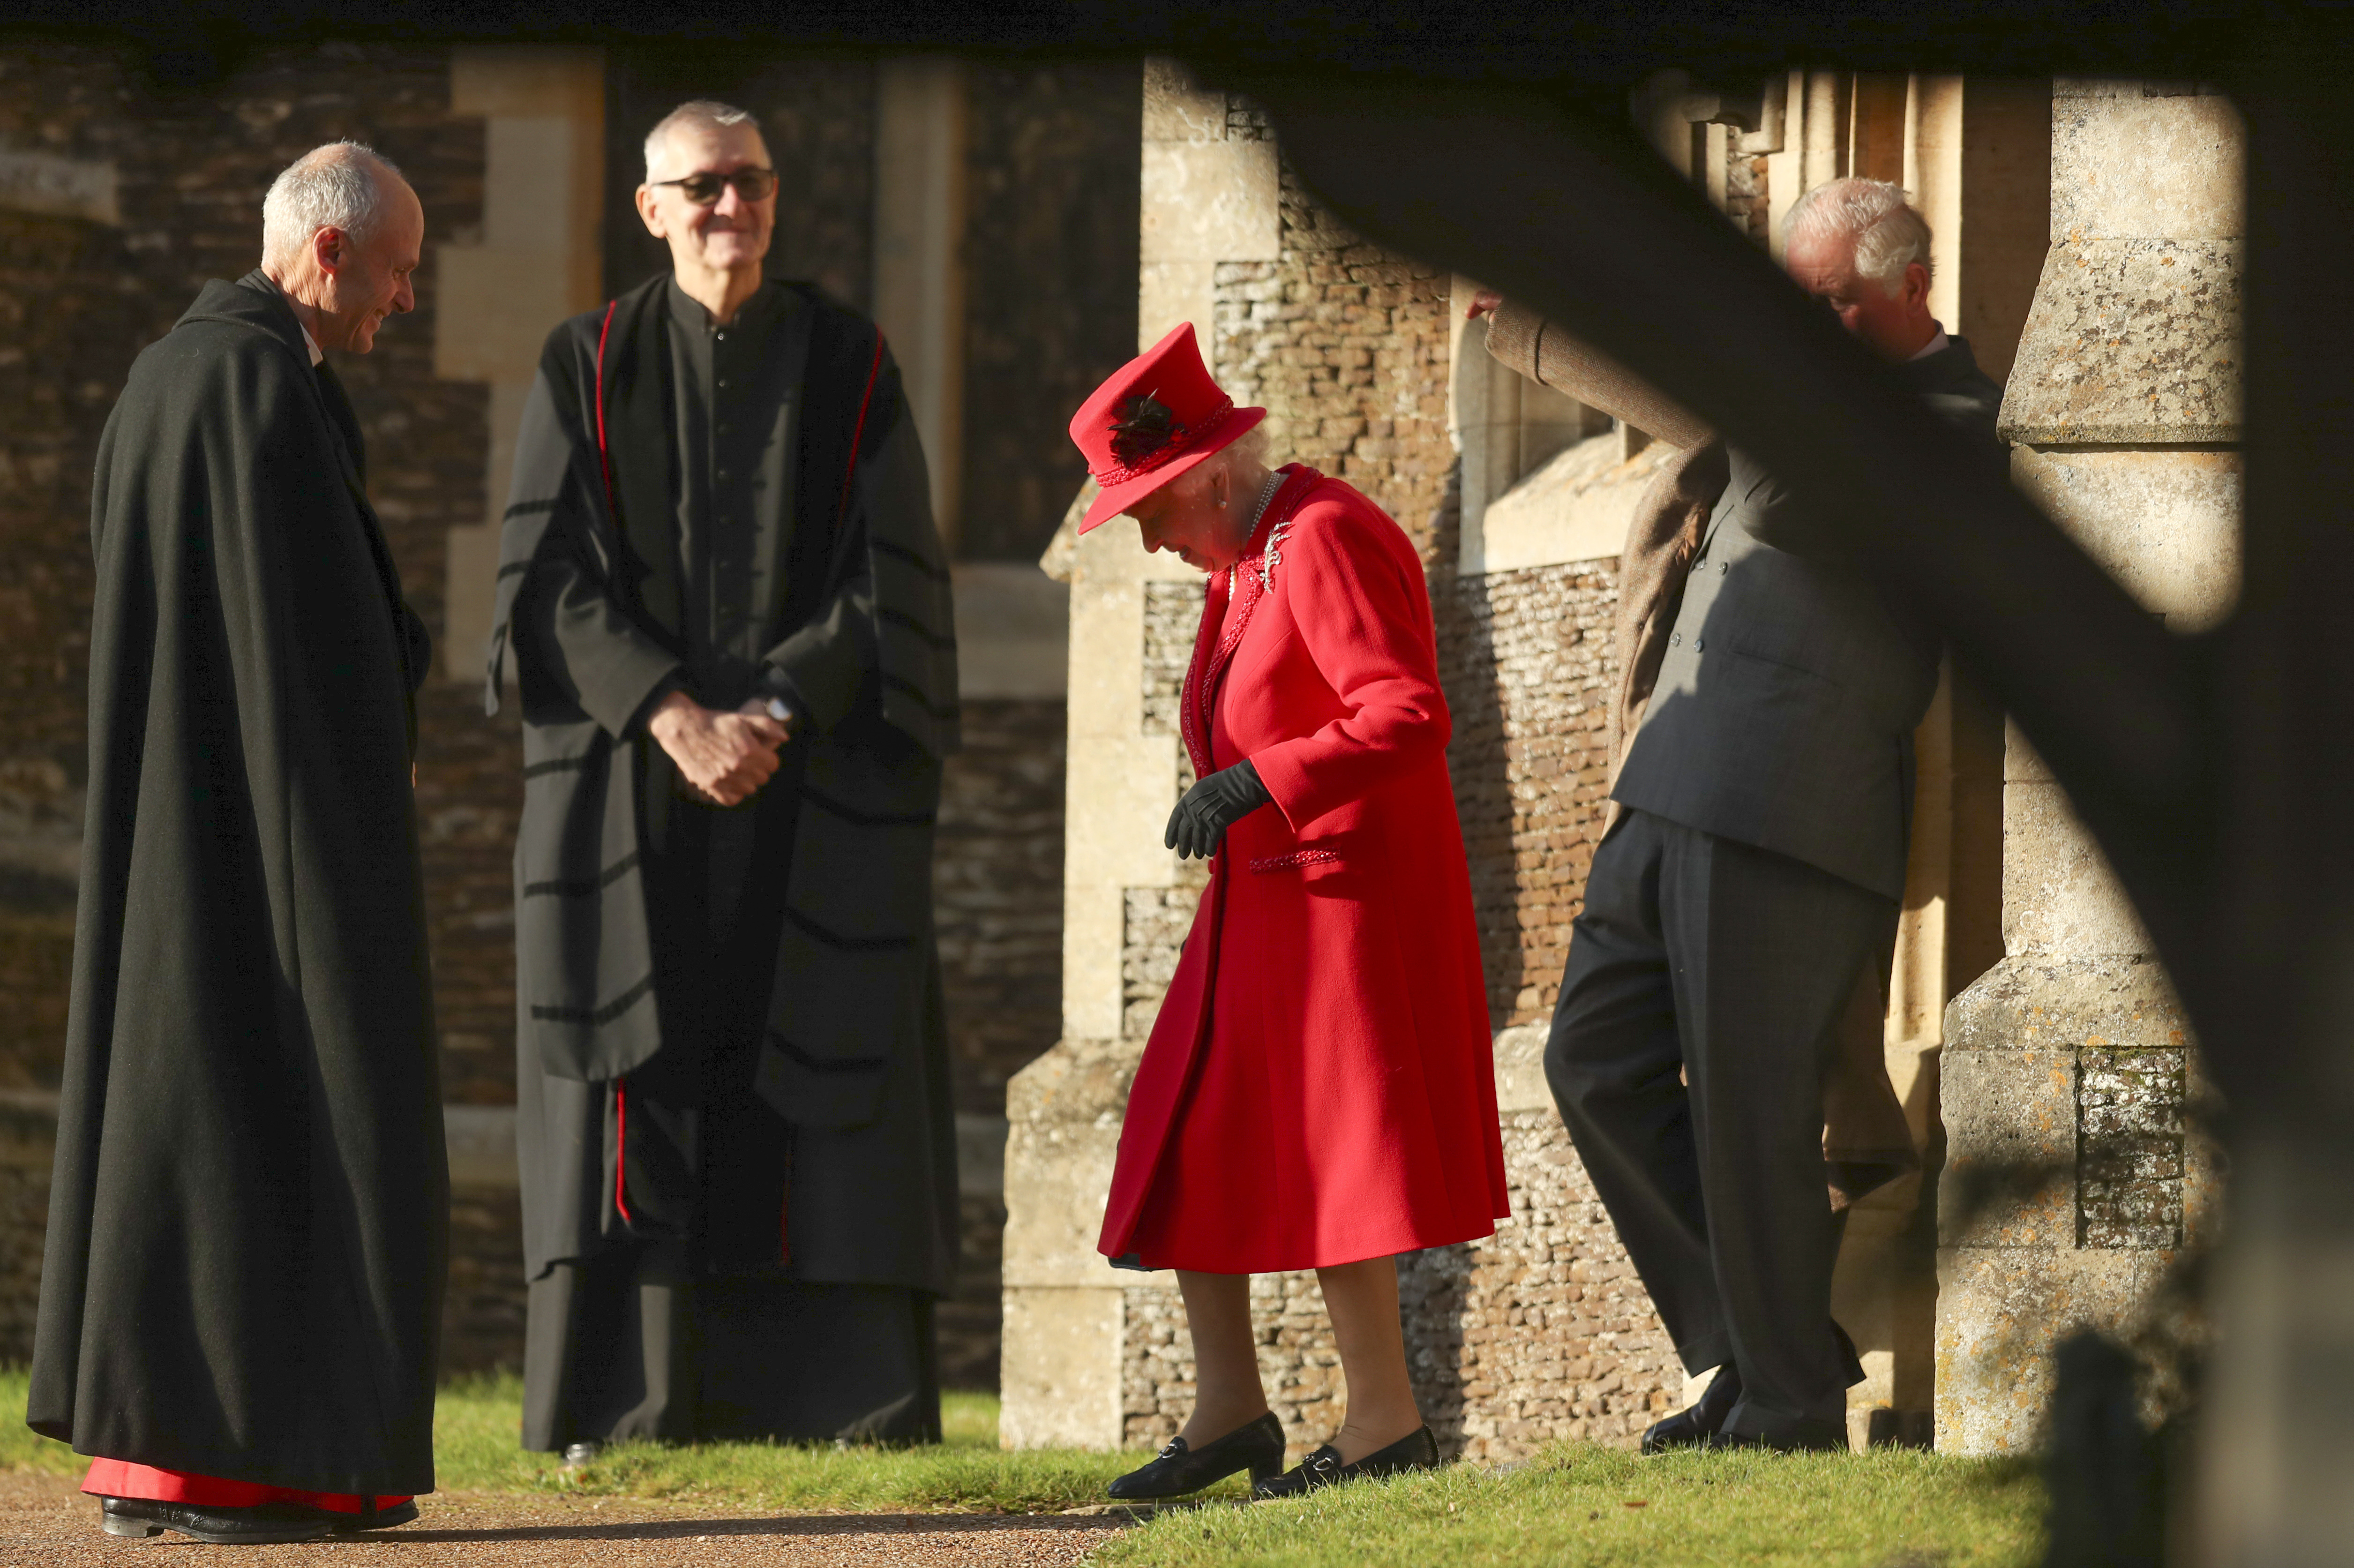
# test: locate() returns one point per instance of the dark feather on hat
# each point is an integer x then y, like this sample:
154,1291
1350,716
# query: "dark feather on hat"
1143,426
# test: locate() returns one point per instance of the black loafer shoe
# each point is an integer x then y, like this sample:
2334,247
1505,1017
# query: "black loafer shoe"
267,1524
1806,1434
1417,1450
1256,1447
1694,1426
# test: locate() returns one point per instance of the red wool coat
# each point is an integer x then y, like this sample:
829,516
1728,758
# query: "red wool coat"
1320,1087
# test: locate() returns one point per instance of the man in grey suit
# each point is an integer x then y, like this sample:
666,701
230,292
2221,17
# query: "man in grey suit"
1755,870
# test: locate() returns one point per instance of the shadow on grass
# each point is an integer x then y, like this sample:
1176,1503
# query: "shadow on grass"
763,1527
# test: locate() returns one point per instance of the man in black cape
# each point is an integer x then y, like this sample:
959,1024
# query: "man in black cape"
241,1294
732,629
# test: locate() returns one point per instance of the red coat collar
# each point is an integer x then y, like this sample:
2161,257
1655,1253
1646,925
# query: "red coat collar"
1254,578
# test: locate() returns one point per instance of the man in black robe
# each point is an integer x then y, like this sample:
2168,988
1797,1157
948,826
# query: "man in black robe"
732,630
241,1294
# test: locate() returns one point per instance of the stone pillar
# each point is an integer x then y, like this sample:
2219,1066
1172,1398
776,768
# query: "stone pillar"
1072,1324
2074,1178
919,274
1964,144
537,261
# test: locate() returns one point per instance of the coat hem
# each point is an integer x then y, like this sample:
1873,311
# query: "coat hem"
1295,1265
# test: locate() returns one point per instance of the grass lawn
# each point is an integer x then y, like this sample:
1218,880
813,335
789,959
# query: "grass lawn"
1579,1505
1585,1507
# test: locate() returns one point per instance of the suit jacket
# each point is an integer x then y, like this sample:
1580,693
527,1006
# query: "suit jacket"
1866,1141
1784,711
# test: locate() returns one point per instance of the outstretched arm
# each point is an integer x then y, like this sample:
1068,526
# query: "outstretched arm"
1542,351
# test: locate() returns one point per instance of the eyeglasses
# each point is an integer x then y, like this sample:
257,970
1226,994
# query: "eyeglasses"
703,190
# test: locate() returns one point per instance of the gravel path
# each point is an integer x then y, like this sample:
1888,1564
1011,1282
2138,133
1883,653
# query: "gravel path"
45,1522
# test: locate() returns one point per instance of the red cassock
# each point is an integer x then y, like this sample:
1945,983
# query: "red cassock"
1320,1087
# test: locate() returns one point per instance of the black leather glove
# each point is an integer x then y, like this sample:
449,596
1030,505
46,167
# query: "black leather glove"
1199,823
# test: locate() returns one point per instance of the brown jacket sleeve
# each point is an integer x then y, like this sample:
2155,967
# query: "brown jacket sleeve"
1545,353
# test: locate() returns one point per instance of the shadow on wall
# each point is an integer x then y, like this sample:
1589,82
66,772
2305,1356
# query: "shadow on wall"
1433,1286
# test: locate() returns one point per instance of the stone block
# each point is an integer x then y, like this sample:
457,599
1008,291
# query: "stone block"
1063,1131
1520,1070
1208,201
2001,1311
2145,159
2011,1147
54,187
2130,341
1060,1387
2165,524
2059,895
2032,1003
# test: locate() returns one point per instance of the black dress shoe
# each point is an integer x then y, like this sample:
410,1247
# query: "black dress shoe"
579,1455
1802,1434
1417,1450
1256,1447
383,1519
266,1524
1698,1425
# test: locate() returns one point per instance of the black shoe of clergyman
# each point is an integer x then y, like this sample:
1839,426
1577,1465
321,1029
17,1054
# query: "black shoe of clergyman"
578,1455
267,1524
1696,1426
1417,1450
383,1519
1256,1447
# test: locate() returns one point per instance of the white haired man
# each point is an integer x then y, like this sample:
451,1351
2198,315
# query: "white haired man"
241,1294
736,654
1738,907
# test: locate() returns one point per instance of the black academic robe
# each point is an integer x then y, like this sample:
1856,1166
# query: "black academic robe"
778,962
249,1214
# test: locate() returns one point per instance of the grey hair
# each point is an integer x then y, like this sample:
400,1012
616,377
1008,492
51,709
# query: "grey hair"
339,186
1889,233
707,112
1249,447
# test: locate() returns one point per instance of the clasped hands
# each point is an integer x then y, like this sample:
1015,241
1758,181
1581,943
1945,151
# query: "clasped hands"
724,756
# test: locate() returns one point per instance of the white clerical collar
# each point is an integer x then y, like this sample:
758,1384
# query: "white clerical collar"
312,344
1937,344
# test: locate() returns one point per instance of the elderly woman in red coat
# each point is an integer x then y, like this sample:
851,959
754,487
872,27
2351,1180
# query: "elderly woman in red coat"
1318,1092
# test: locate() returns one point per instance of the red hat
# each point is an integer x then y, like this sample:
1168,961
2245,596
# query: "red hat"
1158,416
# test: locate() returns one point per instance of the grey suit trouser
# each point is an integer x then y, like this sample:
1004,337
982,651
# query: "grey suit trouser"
1688,1053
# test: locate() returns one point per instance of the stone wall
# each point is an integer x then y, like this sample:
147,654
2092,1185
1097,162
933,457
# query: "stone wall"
1530,679
1345,347
997,894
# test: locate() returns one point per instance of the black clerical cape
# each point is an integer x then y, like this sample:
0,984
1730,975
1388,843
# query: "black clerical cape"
248,1217
738,513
